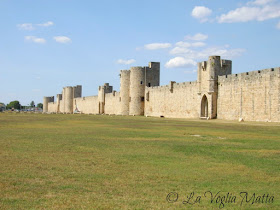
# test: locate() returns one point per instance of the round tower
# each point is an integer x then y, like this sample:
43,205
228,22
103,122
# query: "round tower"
209,86
214,66
137,90
124,92
46,101
58,101
68,100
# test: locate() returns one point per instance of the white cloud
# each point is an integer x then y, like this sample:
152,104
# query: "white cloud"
26,26
183,47
201,13
180,50
223,51
47,24
260,2
278,25
35,39
183,44
62,39
30,26
126,62
156,46
197,37
258,10
187,44
178,62
198,44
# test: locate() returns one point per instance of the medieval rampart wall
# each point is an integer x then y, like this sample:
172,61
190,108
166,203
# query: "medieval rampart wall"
87,105
112,103
252,96
52,107
177,100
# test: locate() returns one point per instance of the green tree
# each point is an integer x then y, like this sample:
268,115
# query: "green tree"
40,105
13,104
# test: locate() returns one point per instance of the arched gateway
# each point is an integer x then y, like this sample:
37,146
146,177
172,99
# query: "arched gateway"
204,107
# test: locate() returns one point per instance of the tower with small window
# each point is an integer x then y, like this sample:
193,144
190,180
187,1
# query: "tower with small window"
141,77
207,78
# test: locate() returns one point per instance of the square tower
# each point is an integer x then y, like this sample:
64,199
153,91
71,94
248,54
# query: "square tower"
207,78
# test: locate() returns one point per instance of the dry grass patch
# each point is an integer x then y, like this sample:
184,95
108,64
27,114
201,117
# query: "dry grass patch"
115,162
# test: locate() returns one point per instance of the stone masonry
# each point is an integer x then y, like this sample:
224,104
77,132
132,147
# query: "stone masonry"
216,94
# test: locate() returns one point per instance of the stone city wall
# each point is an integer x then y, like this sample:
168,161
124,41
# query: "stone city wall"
87,105
112,103
249,96
176,100
52,107
252,96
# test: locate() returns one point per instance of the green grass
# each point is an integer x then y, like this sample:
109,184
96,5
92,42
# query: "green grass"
114,162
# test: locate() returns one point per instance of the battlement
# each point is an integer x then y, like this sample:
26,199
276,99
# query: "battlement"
154,65
124,71
250,75
86,98
49,98
106,87
172,85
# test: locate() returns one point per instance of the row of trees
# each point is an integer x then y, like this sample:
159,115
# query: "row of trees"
17,105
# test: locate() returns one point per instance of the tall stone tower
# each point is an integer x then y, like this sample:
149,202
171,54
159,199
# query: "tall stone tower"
137,90
208,72
77,91
106,88
124,91
46,101
58,101
140,77
68,99
68,95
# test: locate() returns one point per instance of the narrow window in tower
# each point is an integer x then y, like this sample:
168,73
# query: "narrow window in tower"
142,98
147,96
120,99
149,84
141,82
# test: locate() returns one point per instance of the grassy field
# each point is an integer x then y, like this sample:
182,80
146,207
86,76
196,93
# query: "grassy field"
114,162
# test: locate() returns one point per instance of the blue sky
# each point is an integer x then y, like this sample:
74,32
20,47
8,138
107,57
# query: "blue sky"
46,45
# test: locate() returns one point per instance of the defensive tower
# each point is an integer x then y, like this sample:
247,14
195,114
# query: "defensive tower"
140,77
137,90
124,91
207,78
77,91
58,98
68,93
46,103
106,88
